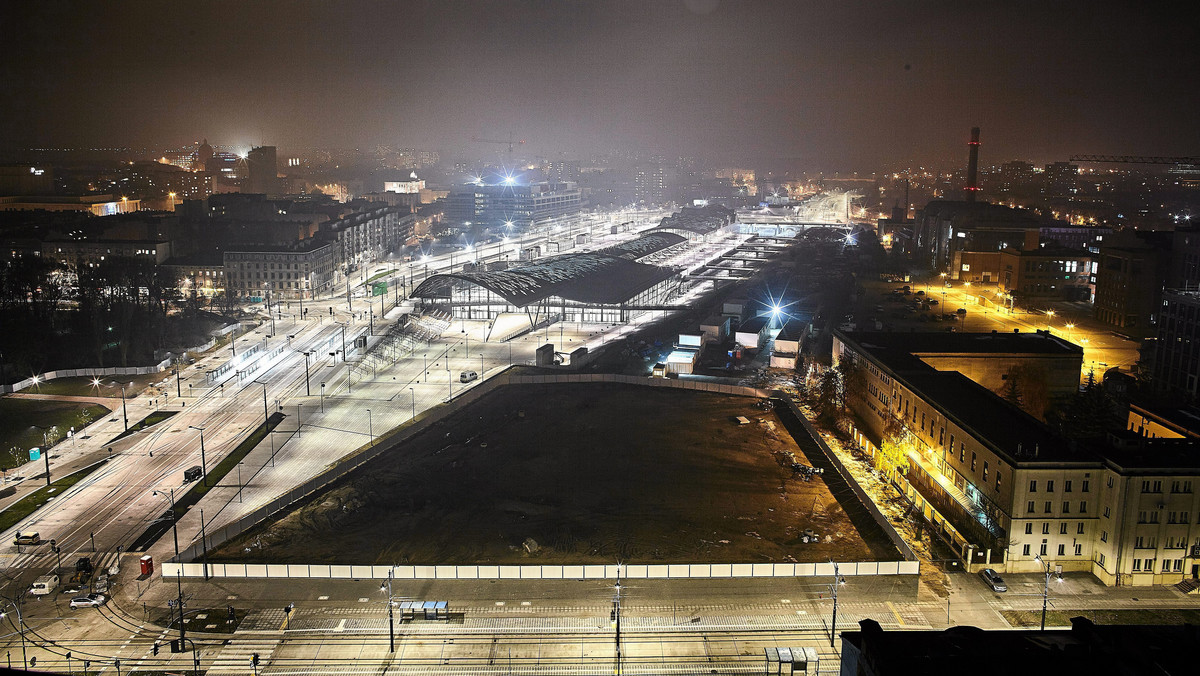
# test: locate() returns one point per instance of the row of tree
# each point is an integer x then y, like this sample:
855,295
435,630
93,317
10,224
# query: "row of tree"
112,312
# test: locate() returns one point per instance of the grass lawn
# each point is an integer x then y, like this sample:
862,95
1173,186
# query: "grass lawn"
152,419
110,386
1062,618
23,422
29,504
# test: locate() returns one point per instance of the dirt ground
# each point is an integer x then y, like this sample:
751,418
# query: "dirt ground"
573,474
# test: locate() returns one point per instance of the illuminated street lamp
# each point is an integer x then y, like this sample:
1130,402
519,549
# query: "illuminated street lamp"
1050,315
1069,326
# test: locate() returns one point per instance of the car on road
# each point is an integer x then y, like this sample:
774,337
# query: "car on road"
27,539
88,601
101,583
993,580
468,376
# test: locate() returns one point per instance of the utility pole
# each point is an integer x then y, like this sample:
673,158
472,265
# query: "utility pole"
124,410
615,616
838,581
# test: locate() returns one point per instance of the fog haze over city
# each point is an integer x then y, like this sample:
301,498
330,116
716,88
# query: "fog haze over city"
837,86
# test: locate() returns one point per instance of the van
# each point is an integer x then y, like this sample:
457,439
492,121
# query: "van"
44,585
468,376
192,473
993,580
27,539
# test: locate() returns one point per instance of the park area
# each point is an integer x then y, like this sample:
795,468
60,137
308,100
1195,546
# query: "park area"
561,474
29,423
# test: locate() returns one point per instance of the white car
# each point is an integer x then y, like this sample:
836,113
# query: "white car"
88,601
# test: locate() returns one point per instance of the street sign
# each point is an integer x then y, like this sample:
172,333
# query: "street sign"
35,453
378,288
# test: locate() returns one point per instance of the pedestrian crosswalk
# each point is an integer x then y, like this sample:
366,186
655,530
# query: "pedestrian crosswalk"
236,657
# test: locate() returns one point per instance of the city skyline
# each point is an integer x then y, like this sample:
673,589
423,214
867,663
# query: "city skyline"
846,88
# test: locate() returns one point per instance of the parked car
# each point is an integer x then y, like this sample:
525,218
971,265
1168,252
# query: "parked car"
993,580
101,584
192,473
88,601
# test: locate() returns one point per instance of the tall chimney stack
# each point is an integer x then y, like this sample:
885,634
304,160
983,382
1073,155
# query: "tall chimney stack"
973,165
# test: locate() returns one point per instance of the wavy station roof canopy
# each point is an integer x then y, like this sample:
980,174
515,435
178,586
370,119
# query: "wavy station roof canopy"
605,277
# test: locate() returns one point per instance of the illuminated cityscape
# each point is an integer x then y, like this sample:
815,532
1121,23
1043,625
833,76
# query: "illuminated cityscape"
605,337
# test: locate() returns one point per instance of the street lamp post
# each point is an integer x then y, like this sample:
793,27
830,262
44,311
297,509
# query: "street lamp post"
266,416
203,462
307,389
298,423
426,357
414,402
174,520
1046,587
838,581
124,410
20,629
370,427
386,587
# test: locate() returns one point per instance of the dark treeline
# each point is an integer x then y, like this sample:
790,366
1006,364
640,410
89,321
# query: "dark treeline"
114,312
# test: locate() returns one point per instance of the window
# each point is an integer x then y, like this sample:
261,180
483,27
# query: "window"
1043,548
1178,565
974,457
1062,528
985,470
1067,486
1143,516
962,451
1086,486
1083,506
1033,486
1100,559
1106,512
1110,482
1045,528
1062,549
1078,549
1175,486
1166,567
1048,507
1137,565
998,475
1104,536
1050,486
1029,528
1184,517
1025,550
1079,528
1187,487
1066,507
1029,507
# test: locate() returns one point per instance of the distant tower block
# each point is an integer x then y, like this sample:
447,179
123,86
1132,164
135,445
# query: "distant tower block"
973,165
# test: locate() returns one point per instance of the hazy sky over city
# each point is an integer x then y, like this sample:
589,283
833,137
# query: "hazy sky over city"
839,85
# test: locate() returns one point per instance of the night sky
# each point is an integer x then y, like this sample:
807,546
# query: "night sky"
838,85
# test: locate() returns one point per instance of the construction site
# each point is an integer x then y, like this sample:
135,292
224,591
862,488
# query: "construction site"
564,474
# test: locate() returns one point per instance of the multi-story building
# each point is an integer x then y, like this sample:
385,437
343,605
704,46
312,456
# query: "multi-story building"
76,252
649,184
1003,489
1177,350
1061,178
300,271
944,229
1047,273
1132,270
262,171
512,205
202,275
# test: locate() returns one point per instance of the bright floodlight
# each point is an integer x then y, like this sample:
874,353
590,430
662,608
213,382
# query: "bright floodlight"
508,224
776,310
509,180
424,257
95,382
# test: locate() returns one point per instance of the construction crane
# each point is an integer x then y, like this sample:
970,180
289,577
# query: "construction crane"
1135,159
510,142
